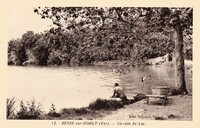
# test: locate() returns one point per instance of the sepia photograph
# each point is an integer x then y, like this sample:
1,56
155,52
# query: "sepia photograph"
100,63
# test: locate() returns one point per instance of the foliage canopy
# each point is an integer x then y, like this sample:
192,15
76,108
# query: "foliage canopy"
84,35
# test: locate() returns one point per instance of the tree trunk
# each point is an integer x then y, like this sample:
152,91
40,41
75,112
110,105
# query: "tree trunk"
179,62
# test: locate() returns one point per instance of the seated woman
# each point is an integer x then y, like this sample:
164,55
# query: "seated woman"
119,93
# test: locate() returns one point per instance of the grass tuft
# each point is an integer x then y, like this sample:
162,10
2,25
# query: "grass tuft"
29,111
10,108
103,104
53,113
75,111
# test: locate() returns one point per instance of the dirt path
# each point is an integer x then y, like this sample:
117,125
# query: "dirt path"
178,108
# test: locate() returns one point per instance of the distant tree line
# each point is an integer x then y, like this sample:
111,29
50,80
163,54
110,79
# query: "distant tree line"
56,47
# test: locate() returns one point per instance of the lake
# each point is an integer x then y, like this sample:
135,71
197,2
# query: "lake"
68,87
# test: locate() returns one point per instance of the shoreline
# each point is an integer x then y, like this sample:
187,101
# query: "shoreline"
178,108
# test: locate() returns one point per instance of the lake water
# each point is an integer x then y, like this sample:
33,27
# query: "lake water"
67,87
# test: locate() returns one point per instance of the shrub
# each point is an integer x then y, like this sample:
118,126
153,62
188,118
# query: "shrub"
52,112
75,111
159,118
103,104
80,113
29,111
174,91
10,108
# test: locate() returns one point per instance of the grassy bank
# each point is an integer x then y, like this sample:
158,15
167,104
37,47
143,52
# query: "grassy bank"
31,110
96,109
177,108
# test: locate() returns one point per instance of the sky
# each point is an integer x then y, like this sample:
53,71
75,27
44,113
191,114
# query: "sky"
20,20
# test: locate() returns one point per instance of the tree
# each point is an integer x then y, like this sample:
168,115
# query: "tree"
29,39
16,52
178,26
179,68
133,26
41,51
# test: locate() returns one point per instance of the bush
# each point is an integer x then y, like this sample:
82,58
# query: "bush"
29,111
103,104
75,111
52,112
174,91
10,108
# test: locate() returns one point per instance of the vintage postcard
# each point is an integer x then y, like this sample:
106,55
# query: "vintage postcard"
93,64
